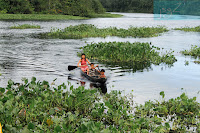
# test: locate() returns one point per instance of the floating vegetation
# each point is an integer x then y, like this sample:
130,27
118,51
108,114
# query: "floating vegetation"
40,107
194,51
127,52
186,63
128,66
88,30
197,62
188,29
26,26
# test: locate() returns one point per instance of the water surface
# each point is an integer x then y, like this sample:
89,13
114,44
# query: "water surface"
22,55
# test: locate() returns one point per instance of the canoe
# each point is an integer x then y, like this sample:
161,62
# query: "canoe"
94,78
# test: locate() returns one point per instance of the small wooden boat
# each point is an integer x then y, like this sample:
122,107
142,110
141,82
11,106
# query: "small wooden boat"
94,78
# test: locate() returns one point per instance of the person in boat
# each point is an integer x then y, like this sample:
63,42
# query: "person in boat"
92,70
84,67
102,74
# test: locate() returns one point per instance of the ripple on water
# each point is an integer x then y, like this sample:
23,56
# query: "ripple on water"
23,55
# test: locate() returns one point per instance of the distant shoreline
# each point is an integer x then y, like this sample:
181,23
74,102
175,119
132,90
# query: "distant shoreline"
53,17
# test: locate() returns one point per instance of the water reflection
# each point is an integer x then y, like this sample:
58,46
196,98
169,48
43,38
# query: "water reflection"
92,85
129,66
103,87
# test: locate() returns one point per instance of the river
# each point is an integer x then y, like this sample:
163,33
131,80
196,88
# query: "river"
23,55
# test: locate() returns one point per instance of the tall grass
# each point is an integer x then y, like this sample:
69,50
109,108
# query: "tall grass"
188,29
127,52
26,26
88,30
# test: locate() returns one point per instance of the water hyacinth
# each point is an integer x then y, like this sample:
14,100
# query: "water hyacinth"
64,108
127,52
88,30
189,29
194,51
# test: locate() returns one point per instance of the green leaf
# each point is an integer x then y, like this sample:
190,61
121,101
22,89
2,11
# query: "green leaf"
57,129
51,111
108,105
25,130
162,94
2,90
25,80
31,126
21,88
167,125
33,79
10,82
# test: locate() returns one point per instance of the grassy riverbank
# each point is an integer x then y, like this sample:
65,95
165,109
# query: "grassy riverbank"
38,17
40,107
189,29
88,30
53,17
106,15
26,26
127,52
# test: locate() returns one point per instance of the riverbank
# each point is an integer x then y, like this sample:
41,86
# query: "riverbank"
53,17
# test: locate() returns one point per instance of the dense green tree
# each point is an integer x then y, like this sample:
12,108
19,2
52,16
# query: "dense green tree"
67,7
16,6
183,7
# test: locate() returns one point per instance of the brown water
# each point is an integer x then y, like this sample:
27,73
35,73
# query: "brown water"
22,55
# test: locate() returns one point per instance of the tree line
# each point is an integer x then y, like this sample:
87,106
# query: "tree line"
65,7
89,7
128,5
181,7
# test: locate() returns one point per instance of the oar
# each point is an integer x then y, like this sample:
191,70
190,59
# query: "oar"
72,67
98,68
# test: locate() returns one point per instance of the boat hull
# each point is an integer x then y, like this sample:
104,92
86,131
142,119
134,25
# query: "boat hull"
94,78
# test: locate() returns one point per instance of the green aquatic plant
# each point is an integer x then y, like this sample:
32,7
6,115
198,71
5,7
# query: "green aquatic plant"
26,26
127,52
88,30
179,114
194,51
37,106
186,63
189,29
197,62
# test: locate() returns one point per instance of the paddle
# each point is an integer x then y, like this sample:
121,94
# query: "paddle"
72,67
98,68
